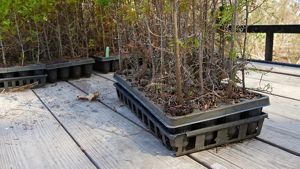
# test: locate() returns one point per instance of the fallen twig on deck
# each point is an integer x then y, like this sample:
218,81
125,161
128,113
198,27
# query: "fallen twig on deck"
22,88
89,97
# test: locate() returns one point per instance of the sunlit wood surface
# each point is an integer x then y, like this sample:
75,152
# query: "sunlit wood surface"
49,128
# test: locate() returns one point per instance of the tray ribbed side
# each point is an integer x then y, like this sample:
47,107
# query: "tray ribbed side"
193,140
14,82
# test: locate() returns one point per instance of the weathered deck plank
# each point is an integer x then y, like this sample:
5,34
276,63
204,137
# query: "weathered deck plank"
275,68
282,132
283,126
284,107
109,75
278,84
251,154
31,138
277,89
106,136
90,85
108,94
274,77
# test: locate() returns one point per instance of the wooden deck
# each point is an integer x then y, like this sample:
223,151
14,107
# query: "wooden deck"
49,128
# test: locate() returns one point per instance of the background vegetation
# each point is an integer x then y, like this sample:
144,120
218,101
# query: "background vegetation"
170,45
286,46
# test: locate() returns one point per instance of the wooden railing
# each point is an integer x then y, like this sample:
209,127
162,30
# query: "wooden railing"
270,30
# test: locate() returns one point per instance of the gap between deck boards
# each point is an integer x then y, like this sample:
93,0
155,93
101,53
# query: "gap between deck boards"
66,130
31,138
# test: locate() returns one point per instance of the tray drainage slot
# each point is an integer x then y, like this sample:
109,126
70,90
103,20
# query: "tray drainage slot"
210,138
191,143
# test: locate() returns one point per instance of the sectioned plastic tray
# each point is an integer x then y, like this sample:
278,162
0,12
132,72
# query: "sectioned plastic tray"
106,64
204,135
70,69
172,122
13,82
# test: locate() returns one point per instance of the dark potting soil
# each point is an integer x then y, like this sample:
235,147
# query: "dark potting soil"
162,92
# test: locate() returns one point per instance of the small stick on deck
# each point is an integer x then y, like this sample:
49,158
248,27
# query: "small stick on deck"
21,88
90,97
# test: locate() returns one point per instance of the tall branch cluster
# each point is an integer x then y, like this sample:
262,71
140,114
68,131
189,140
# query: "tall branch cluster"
183,44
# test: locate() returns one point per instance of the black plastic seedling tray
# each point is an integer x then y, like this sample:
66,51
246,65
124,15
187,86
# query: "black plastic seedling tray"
70,69
194,135
206,135
7,83
106,64
18,76
177,122
21,71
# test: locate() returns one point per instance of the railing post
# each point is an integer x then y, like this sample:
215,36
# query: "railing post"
269,46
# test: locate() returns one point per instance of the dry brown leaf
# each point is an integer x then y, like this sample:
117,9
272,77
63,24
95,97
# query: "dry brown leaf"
89,97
